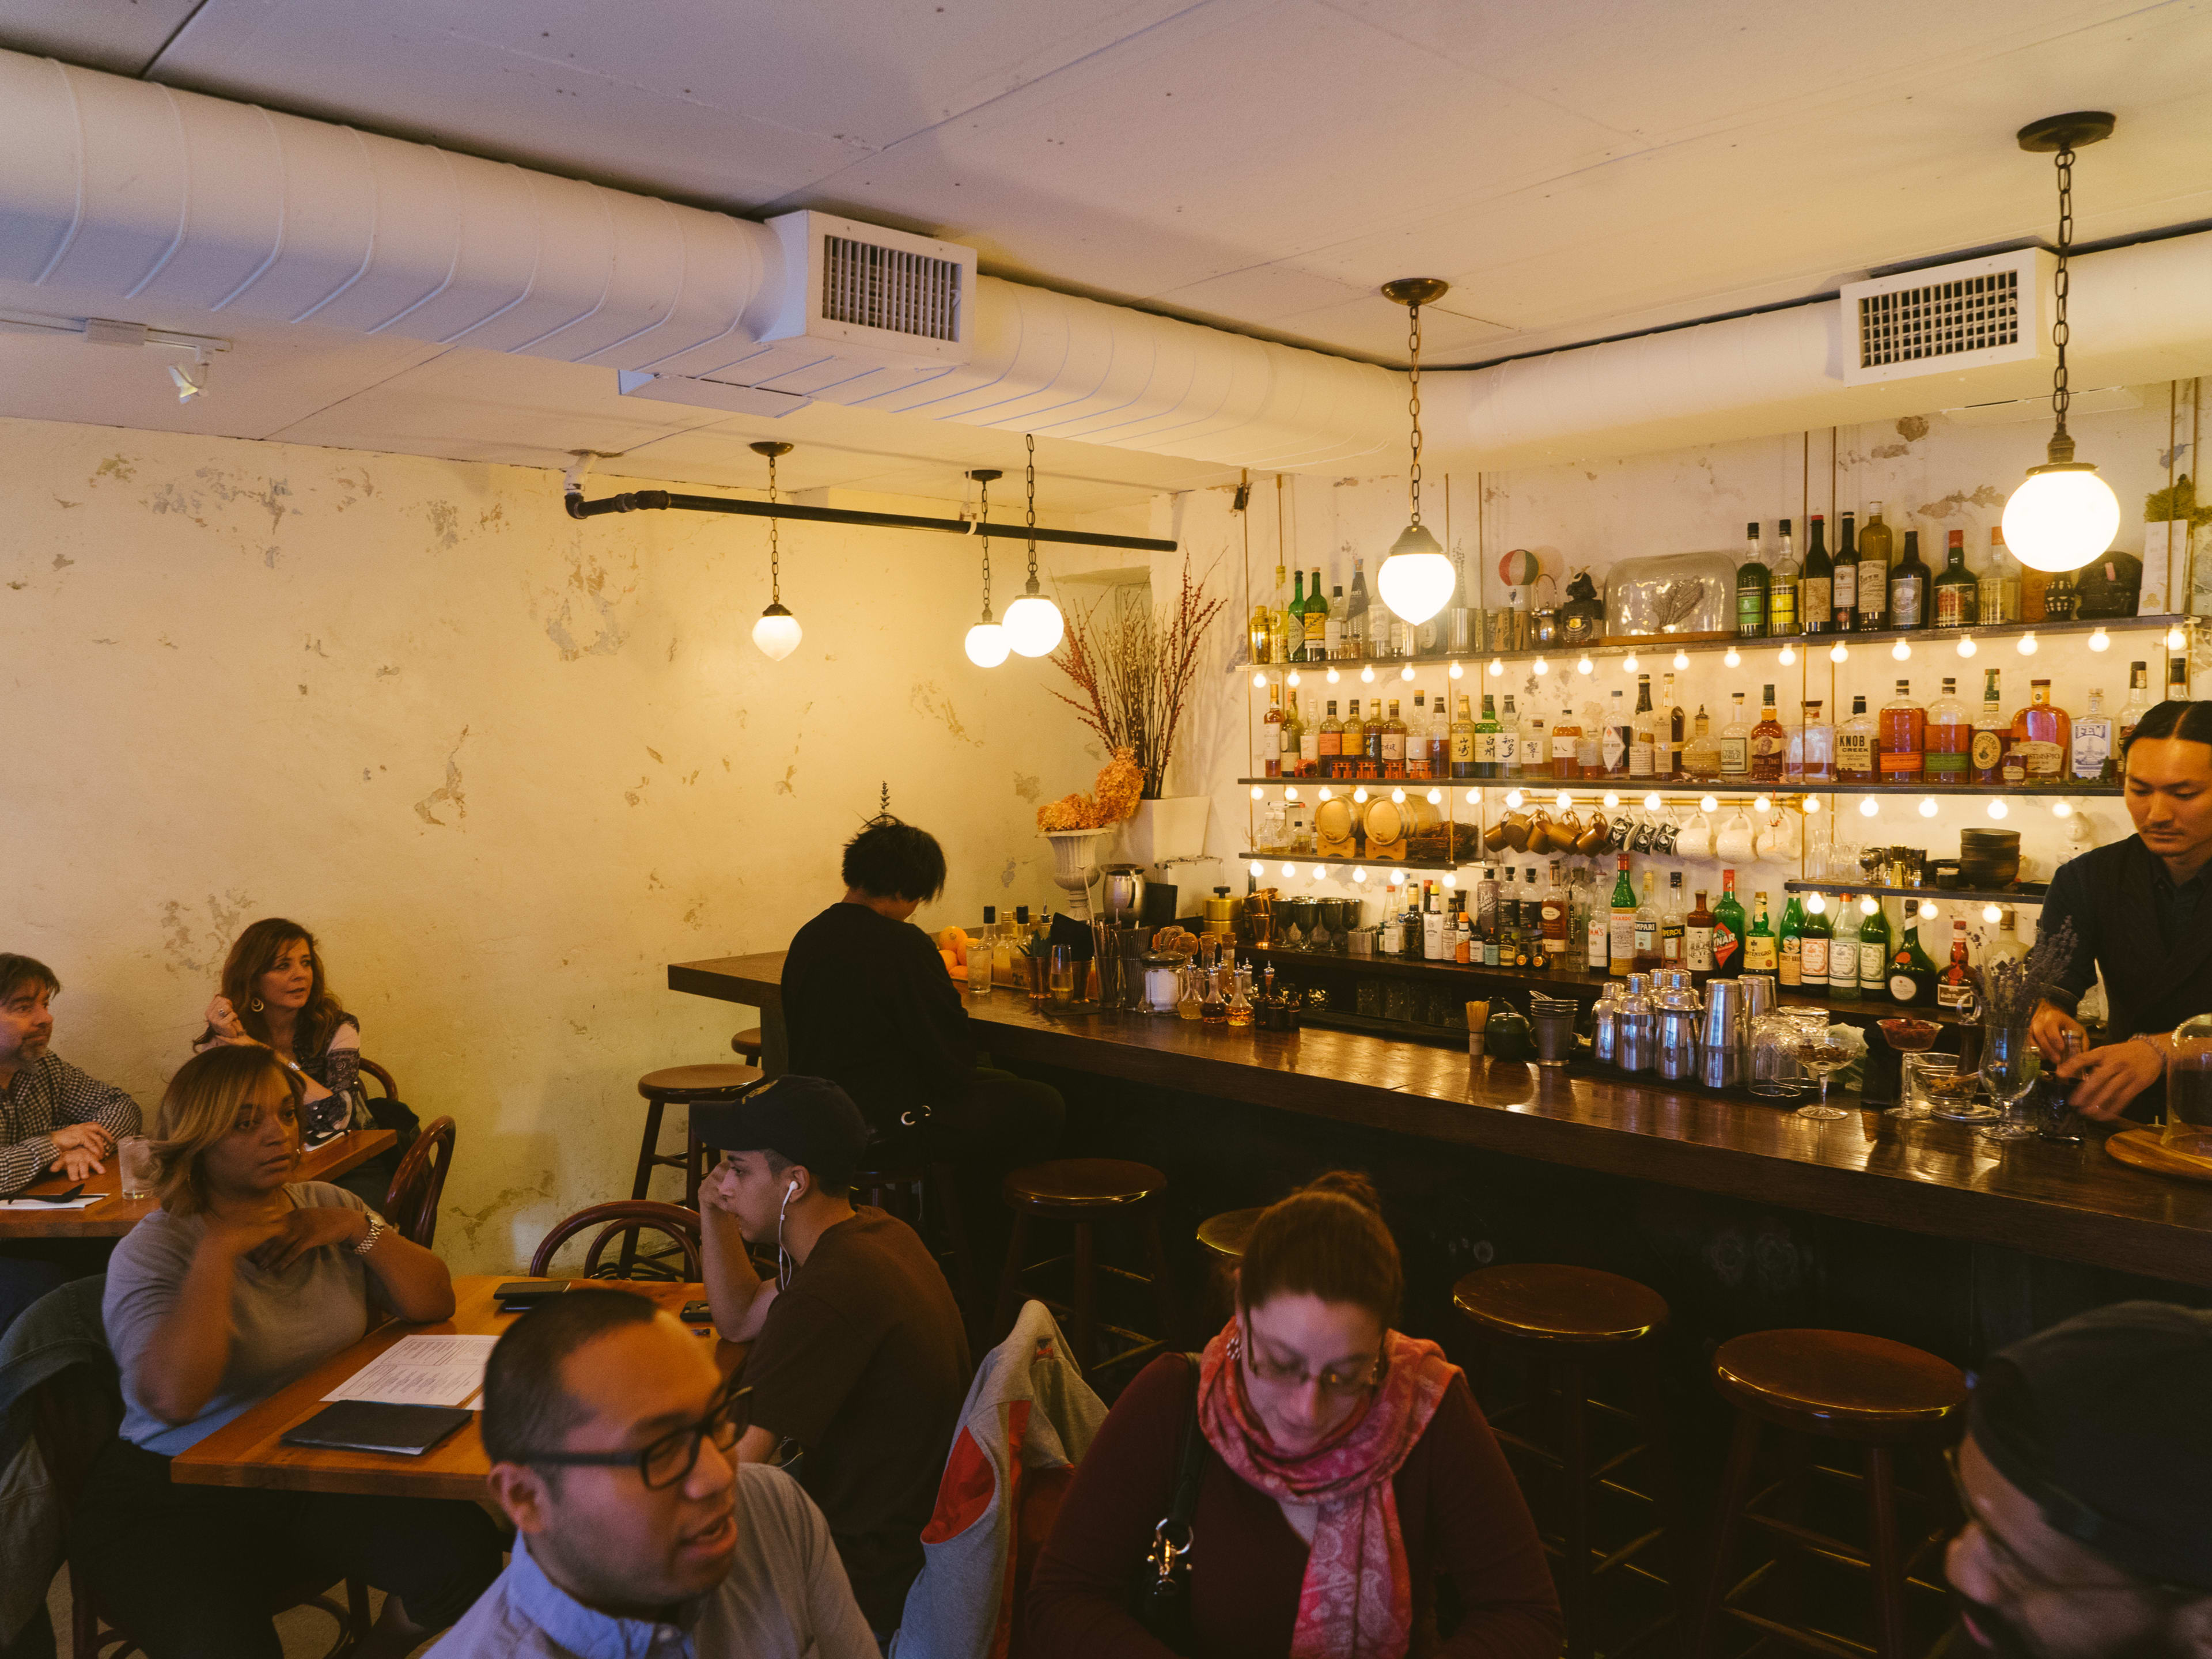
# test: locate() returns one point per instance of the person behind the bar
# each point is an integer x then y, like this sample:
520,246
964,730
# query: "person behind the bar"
2140,912
240,1283
1347,1470
2085,1479
611,1437
860,1358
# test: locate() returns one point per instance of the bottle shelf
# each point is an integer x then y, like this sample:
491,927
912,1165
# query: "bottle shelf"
1666,645
1441,865
1631,790
2026,893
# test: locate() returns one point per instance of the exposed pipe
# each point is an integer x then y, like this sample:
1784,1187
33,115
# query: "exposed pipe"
638,501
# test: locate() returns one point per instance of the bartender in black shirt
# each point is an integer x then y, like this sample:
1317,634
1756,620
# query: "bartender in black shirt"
2139,908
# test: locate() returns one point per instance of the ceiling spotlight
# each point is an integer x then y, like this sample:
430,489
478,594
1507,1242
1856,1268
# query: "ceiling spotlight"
1901,651
1733,657
1839,652
1681,658
2100,640
1966,645
1869,806
1998,809
190,382
1928,807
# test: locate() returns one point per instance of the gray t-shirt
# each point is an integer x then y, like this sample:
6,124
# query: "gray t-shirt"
283,1325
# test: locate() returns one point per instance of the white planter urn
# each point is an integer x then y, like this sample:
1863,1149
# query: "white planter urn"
1074,862
1164,829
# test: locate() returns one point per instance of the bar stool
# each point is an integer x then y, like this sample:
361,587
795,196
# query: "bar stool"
1223,1238
747,1043
926,1198
1568,1323
1831,1386
1085,1193
679,1085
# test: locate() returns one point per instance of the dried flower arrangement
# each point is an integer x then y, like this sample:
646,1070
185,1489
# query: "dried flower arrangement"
1133,672
2015,988
1114,797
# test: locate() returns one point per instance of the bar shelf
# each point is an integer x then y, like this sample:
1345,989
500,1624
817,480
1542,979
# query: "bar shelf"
1632,790
2022,893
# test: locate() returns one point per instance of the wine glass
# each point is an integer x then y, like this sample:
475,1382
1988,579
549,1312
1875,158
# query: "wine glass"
2010,1065
1908,1037
1822,1053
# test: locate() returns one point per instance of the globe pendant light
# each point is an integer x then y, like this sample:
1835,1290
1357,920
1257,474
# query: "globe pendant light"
777,632
986,641
2064,515
1034,625
1416,580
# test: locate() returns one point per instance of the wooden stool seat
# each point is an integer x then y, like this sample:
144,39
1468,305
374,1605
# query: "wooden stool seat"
679,1085
718,1081
1226,1235
1842,1386
1540,1302
1083,1189
1082,1194
748,1043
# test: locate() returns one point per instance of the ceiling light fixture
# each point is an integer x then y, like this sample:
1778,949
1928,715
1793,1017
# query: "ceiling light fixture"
986,643
1034,625
777,632
1416,579
192,382
2064,515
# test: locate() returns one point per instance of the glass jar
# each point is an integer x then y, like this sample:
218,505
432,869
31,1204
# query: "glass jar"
2189,1088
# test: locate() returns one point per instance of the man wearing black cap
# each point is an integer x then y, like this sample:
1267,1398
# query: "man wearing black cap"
859,1356
2086,1479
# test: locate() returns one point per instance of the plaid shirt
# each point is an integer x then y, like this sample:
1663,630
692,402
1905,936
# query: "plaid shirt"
46,1095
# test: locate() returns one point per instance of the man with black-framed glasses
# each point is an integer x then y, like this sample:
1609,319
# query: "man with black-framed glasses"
2085,1477
613,1440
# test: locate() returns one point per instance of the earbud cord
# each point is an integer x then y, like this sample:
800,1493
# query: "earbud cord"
783,1266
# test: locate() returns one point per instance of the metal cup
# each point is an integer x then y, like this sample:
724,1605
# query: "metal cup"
1555,1035
1720,1035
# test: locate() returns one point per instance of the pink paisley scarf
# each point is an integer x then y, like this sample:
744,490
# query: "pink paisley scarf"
1357,1601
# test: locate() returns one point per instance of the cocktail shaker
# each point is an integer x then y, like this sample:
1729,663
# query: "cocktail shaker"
1720,1035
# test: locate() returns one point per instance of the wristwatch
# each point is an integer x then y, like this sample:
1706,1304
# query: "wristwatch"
377,1228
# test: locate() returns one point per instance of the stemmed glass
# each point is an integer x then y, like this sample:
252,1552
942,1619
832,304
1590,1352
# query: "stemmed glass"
2010,1065
1822,1053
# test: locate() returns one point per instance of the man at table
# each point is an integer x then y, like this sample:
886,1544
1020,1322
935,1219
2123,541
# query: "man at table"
53,1118
2139,915
611,1436
860,1358
2084,1477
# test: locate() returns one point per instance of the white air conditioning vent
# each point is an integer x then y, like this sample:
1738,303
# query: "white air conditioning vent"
1946,318
877,297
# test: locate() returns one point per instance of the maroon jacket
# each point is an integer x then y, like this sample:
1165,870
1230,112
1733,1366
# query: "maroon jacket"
1459,1511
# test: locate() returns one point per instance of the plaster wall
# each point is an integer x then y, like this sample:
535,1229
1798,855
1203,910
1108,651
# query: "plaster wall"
507,765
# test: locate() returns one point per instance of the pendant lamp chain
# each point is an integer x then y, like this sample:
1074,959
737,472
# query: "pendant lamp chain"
1029,439
775,552
984,517
2061,395
1414,398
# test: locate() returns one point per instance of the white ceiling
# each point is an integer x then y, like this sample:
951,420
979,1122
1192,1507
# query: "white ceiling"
1577,168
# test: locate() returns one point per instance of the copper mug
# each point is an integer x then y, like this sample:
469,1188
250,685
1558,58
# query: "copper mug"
1494,837
1594,838
1563,833
1515,827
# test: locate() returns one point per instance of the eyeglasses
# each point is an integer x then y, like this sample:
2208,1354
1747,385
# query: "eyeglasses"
672,1457
1294,1375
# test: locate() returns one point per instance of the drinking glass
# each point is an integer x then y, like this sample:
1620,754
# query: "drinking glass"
1775,1041
979,966
1037,969
134,1166
1062,981
1823,1053
2009,1067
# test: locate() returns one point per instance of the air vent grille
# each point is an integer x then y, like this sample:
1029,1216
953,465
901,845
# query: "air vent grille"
889,288
1939,320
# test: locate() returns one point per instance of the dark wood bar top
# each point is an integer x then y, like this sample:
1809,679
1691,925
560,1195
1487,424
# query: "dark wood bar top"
2073,1203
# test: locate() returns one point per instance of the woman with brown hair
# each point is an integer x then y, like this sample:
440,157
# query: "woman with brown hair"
1343,1469
241,1282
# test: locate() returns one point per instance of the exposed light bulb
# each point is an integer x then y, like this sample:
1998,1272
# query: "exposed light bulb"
1868,905
1258,869
1789,655
1497,667
1840,652
1450,880
1360,793
1035,627
2100,640
1436,798
1328,794
1901,651
1513,799
1321,872
2028,645
1258,793
1541,666
1629,665
1367,675
1869,806
987,646
1611,800
1733,659
1406,672
1290,870
1259,676
1762,803
776,633
1474,797
1966,645
1652,803
2062,808
1290,793
2175,639
1360,875
1817,903
1565,801
1398,797
1583,663
1928,909
1928,807
1292,678
2062,518
1681,658
1992,914
1333,677
1709,804
1457,671
1811,804
1998,809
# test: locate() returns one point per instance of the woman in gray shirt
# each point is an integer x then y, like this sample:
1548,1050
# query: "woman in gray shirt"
240,1284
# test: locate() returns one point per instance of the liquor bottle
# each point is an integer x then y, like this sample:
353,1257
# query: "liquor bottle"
1752,577
1355,641
1354,765
1697,941
1255,635
1597,933
1621,935
1292,736
1642,736
1728,929
1904,737
2177,679
1316,623
1614,742
1999,585
2006,945
1670,717
1789,946
1647,930
1844,607
1816,591
1535,746
1913,974
1508,740
1294,616
1782,589
1957,595
1532,923
1417,737
1462,742
1701,755
1992,735
1814,948
1332,645
2042,737
1873,950
1271,733
1855,745
1485,738
1736,743
1440,740
1959,988
1843,951
1673,925
1908,585
1874,571
1372,740
1589,747
1554,916
1308,741
1394,744
1768,743
1277,646
1566,744
2133,710
1759,955
2093,760
1814,745
1950,736
1330,751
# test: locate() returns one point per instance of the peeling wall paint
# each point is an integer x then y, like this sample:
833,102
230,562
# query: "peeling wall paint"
507,765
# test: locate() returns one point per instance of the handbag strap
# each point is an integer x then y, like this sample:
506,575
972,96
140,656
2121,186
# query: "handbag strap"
1171,1538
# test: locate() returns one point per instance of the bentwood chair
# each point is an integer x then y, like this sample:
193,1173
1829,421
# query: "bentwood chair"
370,1068
625,1219
419,1182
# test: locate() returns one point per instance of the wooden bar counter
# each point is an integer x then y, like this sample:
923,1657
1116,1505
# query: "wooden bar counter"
2067,1203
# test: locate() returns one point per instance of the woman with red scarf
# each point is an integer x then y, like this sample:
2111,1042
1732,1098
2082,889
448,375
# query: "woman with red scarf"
1346,1468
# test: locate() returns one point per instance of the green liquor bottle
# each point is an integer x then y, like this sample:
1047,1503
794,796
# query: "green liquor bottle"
1317,620
1621,937
1913,974
1728,931
1790,942
1752,579
1874,952
1294,620
1843,951
1485,741
1759,951
1818,937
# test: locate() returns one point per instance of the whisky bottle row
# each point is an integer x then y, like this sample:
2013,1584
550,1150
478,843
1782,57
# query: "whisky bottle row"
1859,589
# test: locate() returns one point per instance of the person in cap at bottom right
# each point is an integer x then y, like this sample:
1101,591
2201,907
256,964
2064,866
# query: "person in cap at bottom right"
2085,1476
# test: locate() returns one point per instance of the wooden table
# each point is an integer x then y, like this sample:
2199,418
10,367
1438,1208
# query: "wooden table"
117,1215
2071,1203
246,1451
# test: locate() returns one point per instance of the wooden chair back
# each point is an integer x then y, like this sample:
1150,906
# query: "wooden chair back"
370,1068
419,1182
624,1218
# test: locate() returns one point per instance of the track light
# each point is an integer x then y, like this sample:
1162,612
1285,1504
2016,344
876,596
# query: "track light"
190,382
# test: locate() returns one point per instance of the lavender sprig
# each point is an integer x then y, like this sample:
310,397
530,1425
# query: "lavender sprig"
2015,987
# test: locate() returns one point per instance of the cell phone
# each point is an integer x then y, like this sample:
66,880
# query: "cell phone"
518,1293
695,1313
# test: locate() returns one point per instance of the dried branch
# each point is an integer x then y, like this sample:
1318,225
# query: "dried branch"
2015,987
1133,675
